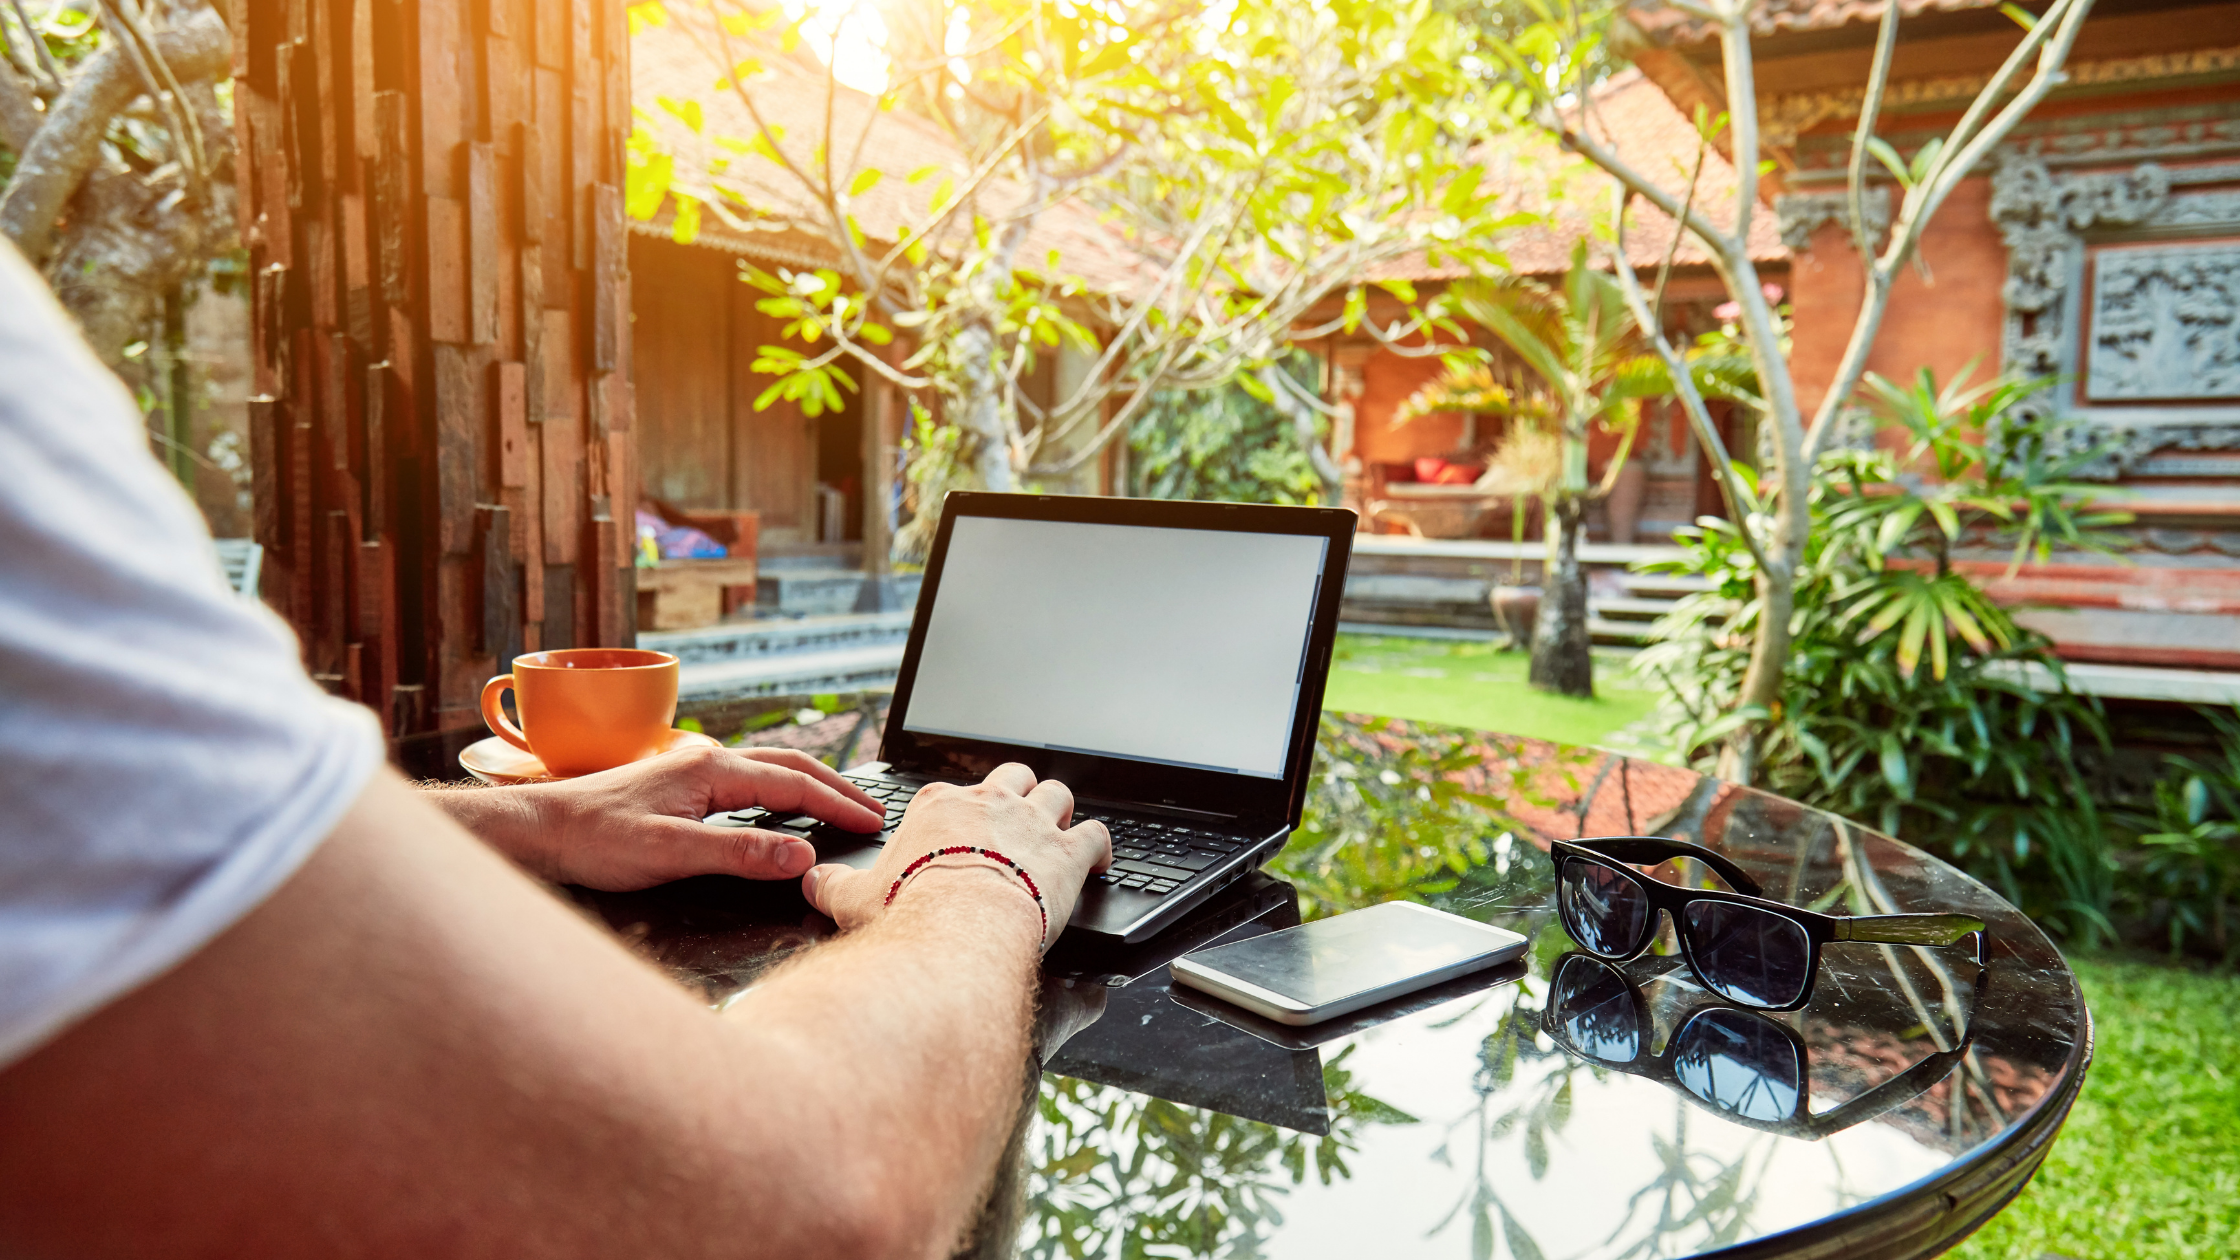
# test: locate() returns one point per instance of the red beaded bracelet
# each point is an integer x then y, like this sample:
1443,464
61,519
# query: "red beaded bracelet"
976,851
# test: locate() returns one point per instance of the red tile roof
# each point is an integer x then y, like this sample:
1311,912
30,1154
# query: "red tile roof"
1633,117
1667,25
666,62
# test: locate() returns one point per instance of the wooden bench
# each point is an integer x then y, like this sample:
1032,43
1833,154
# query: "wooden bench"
688,594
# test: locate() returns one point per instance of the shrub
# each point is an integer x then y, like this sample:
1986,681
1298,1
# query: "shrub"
1221,444
1913,703
2185,873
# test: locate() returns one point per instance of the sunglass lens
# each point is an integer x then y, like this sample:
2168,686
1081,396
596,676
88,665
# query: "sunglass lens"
1605,909
1596,1008
1739,1063
1748,955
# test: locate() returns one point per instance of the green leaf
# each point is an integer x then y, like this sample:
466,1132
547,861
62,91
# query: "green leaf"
1888,156
865,180
1521,1244
686,227
1896,770
686,111
2020,16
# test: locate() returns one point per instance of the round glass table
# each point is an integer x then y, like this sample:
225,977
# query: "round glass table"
1556,1107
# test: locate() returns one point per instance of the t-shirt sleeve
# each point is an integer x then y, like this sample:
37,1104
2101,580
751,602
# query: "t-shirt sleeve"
165,762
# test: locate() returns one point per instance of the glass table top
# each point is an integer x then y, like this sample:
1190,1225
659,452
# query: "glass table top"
1557,1107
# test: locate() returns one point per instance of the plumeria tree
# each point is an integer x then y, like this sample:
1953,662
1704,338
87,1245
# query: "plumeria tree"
1253,163
1546,63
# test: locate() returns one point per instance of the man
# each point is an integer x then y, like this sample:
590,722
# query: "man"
259,997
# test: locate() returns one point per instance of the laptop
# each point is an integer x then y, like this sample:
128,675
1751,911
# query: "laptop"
1165,660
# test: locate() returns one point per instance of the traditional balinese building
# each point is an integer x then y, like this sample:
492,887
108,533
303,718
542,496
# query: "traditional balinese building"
2099,244
1666,484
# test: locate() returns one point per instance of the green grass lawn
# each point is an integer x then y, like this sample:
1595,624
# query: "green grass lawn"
2148,1165
1470,684
2149,1162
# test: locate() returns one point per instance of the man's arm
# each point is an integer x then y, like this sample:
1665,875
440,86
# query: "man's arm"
412,1050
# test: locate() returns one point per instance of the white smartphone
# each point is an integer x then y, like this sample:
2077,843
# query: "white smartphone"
1336,966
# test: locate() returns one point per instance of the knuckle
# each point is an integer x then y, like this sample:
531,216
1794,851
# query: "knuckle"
745,848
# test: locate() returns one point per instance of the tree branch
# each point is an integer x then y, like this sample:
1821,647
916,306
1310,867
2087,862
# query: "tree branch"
1742,86
1647,189
1878,81
40,55
1691,399
20,118
57,160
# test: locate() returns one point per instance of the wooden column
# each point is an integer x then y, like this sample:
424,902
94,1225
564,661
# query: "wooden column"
431,198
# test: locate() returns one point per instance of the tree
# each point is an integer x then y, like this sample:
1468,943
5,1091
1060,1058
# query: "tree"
1591,369
122,184
1256,168
1544,64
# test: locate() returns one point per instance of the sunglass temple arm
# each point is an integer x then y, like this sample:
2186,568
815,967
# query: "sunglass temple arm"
1907,929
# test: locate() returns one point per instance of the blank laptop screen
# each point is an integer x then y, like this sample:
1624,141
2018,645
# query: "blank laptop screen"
1182,646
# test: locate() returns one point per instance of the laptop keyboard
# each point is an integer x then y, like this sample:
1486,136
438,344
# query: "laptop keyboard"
1152,856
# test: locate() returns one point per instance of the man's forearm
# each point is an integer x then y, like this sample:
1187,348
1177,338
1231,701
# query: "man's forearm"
498,816
919,1022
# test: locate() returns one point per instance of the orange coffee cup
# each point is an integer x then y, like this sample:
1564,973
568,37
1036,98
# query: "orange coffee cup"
586,709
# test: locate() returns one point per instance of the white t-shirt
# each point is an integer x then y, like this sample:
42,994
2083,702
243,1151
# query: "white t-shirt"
165,763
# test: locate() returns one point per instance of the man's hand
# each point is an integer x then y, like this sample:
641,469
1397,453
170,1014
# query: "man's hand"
639,825
1031,823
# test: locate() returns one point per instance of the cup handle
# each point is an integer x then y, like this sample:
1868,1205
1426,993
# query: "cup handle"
494,714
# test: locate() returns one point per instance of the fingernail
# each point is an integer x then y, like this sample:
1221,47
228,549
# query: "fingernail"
800,855
809,884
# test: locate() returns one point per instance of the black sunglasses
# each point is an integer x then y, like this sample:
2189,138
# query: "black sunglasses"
1742,946
1747,1067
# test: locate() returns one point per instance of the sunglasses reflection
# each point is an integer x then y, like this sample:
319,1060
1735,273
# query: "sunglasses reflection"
1753,1068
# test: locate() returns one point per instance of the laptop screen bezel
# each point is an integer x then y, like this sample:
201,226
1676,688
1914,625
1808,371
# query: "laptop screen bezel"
1252,800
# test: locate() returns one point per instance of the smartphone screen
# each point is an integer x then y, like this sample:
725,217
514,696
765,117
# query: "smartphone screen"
1326,962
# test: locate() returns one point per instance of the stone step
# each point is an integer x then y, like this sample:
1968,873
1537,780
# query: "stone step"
1665,585
864,668
820,592
734,642
1604,630
1628,608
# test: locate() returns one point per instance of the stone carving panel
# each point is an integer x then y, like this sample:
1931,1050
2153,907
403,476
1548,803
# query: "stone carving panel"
2165,324
2161,322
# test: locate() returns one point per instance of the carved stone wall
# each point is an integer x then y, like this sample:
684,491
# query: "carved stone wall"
2157,346
1800,214
440,419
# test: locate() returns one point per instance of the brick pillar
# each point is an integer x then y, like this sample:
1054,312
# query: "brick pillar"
440,418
